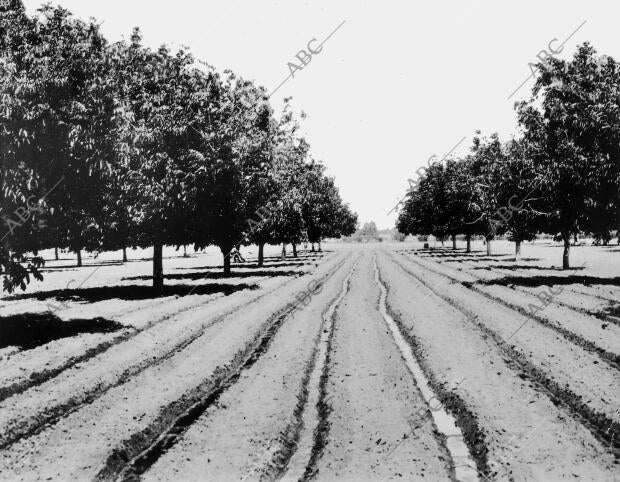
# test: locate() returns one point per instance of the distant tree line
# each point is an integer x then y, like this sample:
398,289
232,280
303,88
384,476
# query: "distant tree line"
560,175
105,146
367,233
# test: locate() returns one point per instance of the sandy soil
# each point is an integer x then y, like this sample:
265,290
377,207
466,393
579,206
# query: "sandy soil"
253,424
237,382
373,399
523,432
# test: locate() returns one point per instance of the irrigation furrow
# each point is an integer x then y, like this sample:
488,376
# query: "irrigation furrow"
39,377
461,447
136,455
556,300
302,462
611,359
35,424
599,424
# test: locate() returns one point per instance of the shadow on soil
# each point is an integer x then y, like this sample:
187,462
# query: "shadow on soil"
513,267
460,253
29,330
534,281
460,257
133,292
248,266
216,275
75,267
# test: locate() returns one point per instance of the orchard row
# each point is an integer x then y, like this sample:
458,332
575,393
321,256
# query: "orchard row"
112,145
560,175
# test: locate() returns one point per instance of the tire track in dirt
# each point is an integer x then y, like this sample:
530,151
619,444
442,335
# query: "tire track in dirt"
34,425
137,454
599,424
611,359
461,445
309,441
369,399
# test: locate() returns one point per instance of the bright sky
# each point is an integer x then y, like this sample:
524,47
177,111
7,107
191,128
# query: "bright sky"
398,82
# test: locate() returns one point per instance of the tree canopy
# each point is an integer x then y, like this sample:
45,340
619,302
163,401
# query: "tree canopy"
560,175
109,145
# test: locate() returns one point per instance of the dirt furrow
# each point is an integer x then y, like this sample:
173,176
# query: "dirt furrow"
371,398
564,299
36,377
301,464
254,428
25,414
588,397
465,469
500,411
130,417
582,331
469,262
26,369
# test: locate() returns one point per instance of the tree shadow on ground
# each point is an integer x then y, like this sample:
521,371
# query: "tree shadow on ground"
132,292
29,330
247,266
57,270
534,281
289,258
482,259
74,267
456,254
513,267
217,275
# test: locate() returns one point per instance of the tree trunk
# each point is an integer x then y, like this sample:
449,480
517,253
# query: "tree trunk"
283,251
185,251
488,241
320,250
294,250
124,255
517,250
575,239
158,268
565,256
79,257
261,254
468,237
312,250
56,254
226,254
454,241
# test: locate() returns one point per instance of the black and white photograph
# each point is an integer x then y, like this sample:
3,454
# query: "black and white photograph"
269,240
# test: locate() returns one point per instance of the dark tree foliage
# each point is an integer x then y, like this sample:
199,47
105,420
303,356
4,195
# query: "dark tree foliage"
105,146
561,177
573,119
